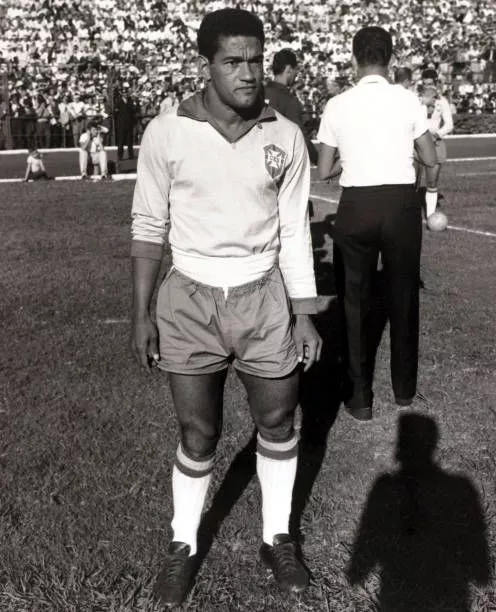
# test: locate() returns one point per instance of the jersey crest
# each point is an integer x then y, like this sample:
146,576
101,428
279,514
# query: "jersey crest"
275,160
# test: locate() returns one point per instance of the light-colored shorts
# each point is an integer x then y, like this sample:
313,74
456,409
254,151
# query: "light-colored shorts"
95,158
441,152
201,330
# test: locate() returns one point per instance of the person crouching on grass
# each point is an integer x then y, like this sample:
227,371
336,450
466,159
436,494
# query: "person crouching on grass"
232,178
35,167
91,146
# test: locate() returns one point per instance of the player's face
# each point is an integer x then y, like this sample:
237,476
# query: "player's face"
291,72
236,71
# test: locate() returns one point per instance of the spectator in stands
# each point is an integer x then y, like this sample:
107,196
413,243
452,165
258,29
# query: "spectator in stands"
43,116
80,44
65,121
125,114
77,114
403,76
3,122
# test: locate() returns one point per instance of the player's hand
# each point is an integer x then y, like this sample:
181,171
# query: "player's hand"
144,342
308,342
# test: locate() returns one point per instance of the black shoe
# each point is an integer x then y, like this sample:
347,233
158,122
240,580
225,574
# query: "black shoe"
174,579
358,403
85,177
360,414
282,559
403,402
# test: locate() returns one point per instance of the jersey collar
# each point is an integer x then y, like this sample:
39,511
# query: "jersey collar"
373,78
194,108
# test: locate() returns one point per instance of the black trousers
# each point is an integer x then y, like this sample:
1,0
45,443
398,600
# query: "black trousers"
124,137
370,220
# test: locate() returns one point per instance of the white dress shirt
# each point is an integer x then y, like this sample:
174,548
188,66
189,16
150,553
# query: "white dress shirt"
374,125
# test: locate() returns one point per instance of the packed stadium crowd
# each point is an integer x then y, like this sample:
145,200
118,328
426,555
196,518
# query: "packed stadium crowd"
67,61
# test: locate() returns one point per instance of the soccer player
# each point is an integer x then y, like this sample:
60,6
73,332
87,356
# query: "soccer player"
35,167
91,144
440,122
278,92
231,176
376,126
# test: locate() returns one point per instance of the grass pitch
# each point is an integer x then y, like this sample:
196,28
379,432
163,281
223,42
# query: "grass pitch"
87,441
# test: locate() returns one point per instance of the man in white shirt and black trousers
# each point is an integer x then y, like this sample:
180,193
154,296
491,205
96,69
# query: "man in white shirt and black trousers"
376,126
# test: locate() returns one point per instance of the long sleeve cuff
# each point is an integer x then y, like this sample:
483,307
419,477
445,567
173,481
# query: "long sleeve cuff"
148,250
304,305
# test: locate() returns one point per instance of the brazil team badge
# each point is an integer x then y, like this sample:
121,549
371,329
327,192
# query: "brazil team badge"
275,159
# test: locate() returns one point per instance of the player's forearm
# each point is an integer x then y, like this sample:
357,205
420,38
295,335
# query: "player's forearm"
296,263
445,130
145,272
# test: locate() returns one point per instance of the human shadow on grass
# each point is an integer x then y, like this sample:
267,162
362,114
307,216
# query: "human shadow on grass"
422,531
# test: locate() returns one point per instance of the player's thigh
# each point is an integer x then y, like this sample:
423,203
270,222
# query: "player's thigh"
272,403
198,404
262,328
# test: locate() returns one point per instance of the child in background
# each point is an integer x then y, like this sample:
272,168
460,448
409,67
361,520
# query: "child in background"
35,168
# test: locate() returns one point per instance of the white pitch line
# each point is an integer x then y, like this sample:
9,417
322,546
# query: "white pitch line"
471,231
470,159
116,177
330,200
113,321
477,173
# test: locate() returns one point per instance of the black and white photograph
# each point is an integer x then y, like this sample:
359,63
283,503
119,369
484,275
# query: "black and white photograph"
248,306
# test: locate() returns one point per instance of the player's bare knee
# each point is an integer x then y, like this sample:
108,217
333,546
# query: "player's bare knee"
276,425
199,442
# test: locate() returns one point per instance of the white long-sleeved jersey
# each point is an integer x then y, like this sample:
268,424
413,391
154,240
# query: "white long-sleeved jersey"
234,208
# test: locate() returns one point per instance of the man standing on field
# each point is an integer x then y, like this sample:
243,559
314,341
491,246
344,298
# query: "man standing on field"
376,126
440,121
231,176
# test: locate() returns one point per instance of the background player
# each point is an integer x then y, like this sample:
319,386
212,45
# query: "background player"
440,121
278,93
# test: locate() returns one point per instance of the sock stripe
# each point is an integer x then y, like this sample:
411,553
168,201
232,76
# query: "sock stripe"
191,467
278,450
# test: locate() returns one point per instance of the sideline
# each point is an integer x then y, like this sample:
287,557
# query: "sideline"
131,176
92,179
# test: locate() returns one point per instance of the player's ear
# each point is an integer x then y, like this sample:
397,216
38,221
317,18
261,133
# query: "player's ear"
204,68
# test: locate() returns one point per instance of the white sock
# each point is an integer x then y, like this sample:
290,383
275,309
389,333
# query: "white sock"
430,202
190,482
276,469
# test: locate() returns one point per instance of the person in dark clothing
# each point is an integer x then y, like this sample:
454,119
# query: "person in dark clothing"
279,95
125,119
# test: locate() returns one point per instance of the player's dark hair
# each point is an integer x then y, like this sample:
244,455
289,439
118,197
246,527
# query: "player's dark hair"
225,23
283,58
429,73
402,75
372,46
